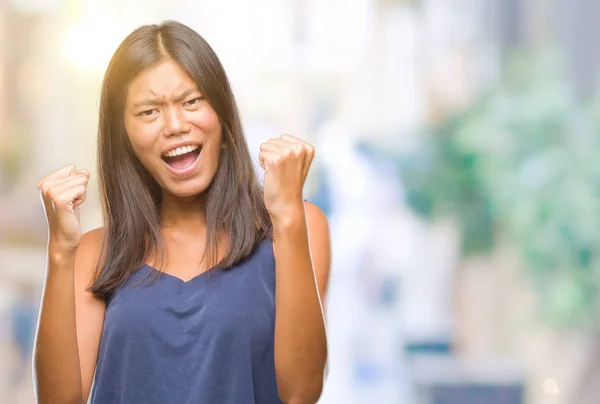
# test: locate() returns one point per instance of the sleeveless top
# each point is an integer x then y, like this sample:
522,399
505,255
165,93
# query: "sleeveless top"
205,341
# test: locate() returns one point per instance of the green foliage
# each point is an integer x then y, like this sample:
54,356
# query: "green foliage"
523,161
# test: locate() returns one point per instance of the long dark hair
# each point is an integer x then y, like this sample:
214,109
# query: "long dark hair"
131,198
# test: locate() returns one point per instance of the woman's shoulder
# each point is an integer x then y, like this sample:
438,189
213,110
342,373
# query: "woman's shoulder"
94,234
88,255
91,241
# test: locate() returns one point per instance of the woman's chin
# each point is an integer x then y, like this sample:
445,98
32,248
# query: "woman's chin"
190,190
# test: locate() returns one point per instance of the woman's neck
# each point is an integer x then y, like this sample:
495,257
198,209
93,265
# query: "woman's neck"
182,213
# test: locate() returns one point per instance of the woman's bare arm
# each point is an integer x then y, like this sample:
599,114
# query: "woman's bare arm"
302,259
70,324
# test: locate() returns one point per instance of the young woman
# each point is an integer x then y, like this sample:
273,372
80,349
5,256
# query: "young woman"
202,286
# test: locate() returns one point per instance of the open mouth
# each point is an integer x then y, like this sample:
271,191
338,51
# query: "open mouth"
182,157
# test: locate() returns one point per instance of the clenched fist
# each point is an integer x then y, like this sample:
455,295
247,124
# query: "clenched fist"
286,161
62,192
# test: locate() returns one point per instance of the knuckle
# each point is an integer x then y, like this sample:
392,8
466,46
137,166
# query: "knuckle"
51,193
59,199
295,152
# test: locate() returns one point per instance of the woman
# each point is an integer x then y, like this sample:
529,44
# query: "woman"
173,300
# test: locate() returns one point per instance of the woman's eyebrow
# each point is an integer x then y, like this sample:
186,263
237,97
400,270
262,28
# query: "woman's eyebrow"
161,101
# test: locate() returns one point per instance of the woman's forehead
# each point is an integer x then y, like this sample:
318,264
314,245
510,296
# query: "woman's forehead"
162,81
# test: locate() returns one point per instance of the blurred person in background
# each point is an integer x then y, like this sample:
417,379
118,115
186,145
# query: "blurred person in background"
202,286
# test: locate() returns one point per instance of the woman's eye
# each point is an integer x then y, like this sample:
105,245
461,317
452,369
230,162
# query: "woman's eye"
148,112
193,102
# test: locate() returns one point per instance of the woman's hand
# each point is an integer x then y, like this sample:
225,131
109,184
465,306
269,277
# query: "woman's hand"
62,192
286,161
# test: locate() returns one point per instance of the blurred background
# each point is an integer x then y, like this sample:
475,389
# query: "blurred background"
457,145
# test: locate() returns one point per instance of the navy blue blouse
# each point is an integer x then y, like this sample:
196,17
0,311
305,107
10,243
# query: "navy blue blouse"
205,341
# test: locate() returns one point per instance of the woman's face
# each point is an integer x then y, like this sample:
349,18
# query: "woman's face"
174,131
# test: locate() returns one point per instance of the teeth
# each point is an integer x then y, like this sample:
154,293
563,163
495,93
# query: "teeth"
181,150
